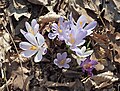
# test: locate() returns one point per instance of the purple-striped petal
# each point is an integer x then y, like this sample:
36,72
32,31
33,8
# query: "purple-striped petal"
52,35
54,26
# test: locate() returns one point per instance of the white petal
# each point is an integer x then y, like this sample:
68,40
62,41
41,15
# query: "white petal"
33,23
83,49
28,27
25,45
28,53
88,53
31,38
38,57
79,60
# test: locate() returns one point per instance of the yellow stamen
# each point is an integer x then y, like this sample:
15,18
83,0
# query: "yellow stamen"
86,66
33,47
81,23
72,40
62,62
31,31
60,31
58,24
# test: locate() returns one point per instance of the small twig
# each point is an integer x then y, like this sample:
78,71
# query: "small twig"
15,49
96,9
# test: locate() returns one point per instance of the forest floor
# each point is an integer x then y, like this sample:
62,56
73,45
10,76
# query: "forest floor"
19,73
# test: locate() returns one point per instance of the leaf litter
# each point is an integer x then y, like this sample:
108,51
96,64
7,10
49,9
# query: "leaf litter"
45,76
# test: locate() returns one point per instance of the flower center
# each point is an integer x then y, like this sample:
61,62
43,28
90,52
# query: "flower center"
60,31
86,66
72,40
62,62
33,47
31,31
81,23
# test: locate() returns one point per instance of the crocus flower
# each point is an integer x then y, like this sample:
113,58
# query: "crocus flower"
88,65
82,54
81,22
35,45
59,30
75,38
62,61
33,28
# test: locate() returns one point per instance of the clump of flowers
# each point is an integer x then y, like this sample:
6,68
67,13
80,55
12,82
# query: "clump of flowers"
88,65
72,33
35,45
62,61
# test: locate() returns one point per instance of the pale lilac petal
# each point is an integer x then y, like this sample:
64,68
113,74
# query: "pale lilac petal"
68,60
36,28
66,66
28,27
90,27
79,42
52,35
25,45
40,39
31,38
54,26
33,23
28,53
64,55
59,56
81,34
38,57
61,19
81,21
56,61
23,32
60,66
60,37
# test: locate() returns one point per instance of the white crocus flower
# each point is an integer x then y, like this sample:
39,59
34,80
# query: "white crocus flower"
33,28
82,54
34,46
